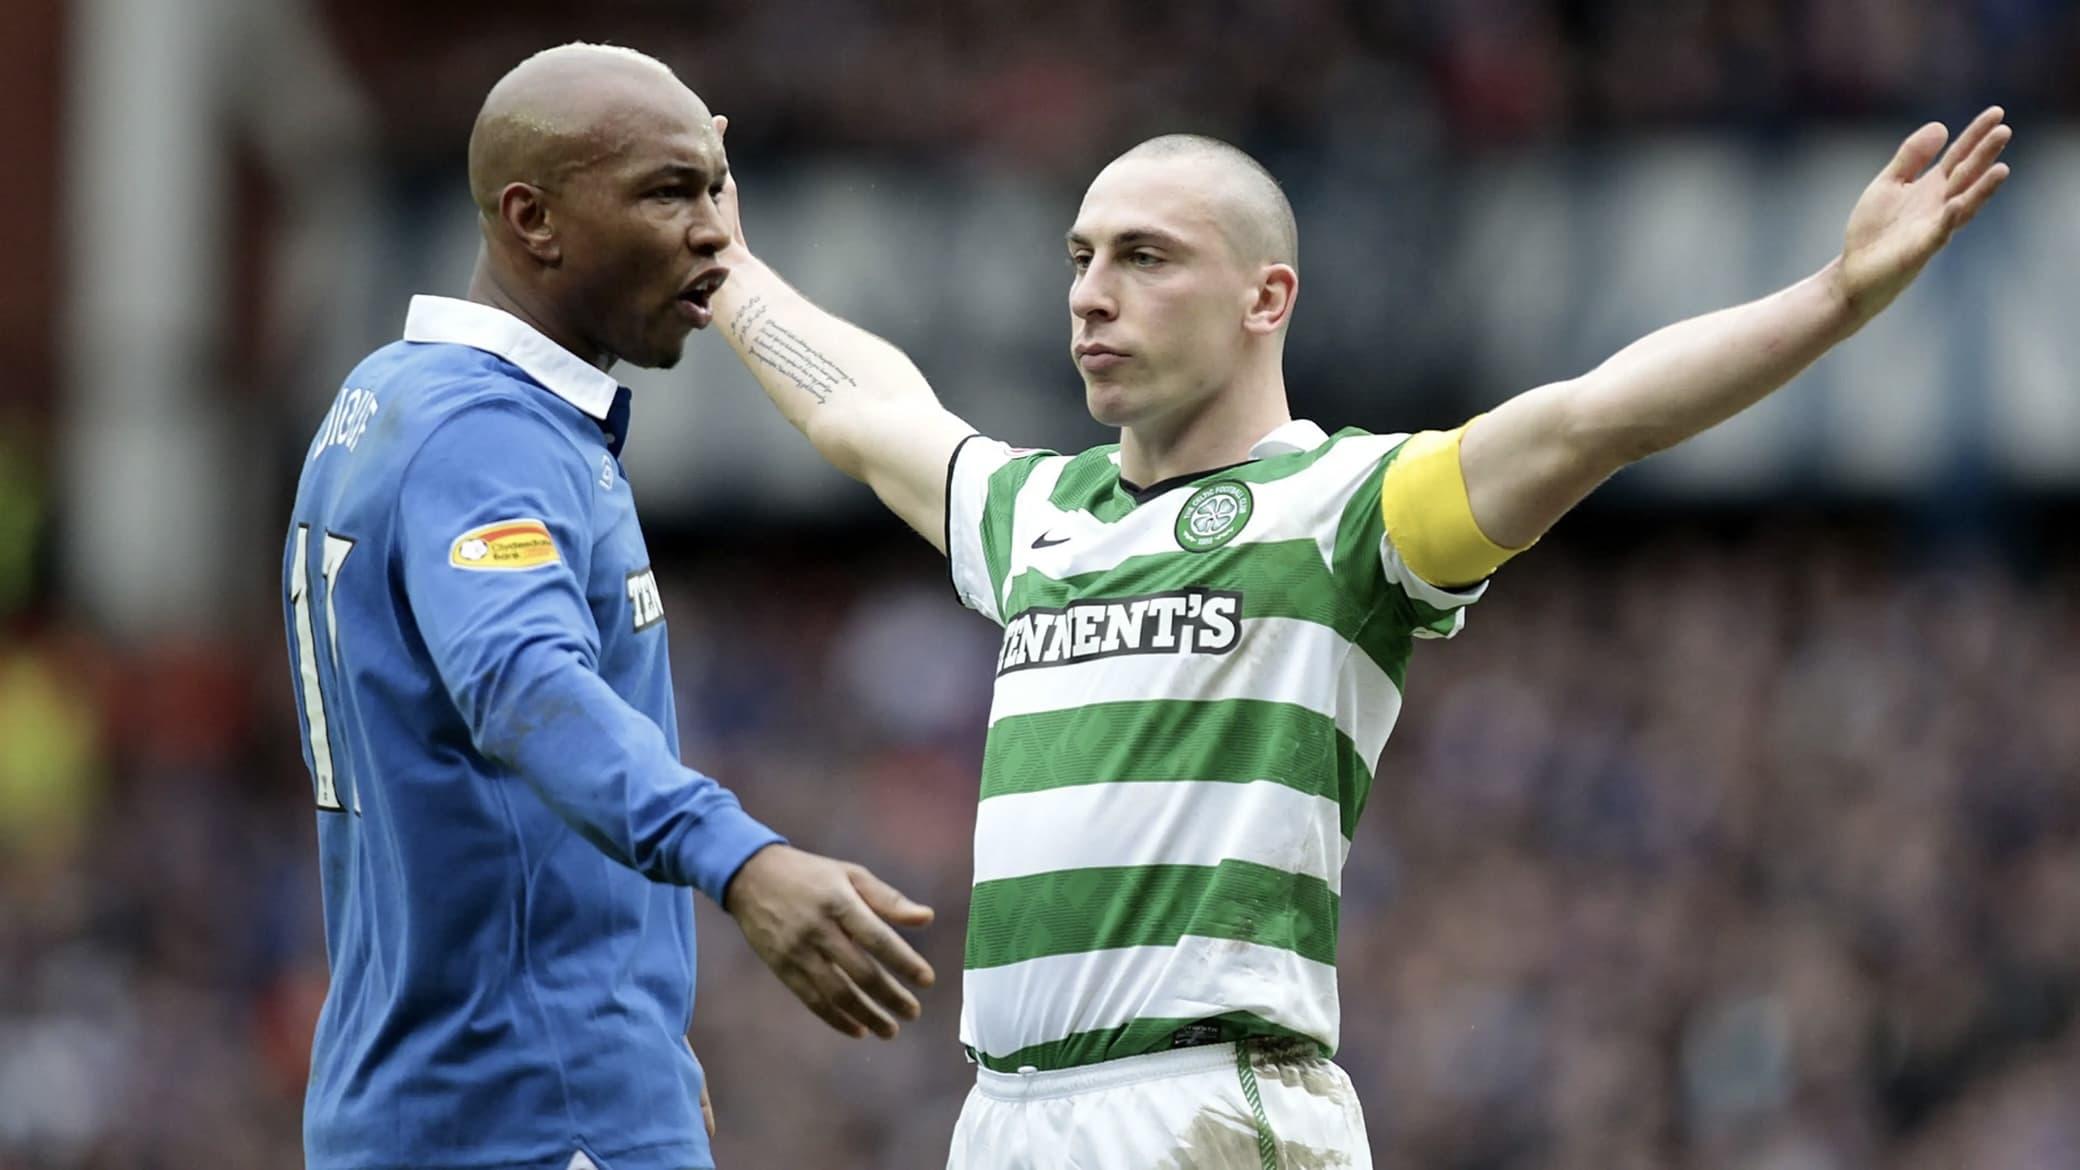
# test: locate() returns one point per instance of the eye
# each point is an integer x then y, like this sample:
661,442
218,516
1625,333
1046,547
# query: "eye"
670,191
1143,258
1079,260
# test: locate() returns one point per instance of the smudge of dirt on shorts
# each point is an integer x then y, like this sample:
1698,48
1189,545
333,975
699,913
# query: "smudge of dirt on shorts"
1216,1140
1294,1156
1296,1064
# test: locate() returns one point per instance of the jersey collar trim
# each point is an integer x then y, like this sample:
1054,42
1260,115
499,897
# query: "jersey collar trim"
447,321
1289,438
1142,495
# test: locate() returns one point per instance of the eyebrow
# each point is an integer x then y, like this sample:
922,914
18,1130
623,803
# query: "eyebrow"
1130,238
685,172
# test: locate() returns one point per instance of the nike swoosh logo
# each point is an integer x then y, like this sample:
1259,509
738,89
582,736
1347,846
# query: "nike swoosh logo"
1042,541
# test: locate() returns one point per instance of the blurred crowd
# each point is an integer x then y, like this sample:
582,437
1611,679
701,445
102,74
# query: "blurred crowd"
1063,79
1728,850
1758,853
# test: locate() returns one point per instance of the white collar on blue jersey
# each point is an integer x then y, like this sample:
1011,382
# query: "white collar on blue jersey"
1289,438
448,321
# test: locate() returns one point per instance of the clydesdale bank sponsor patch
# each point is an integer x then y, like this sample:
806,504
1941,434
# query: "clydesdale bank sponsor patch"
504,545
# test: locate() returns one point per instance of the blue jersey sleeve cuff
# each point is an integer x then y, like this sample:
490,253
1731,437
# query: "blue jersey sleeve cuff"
726,840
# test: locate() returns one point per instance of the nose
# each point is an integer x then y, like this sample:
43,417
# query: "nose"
708,234
1090,294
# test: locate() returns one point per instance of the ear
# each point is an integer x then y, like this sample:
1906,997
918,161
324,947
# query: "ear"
524,211
1278,285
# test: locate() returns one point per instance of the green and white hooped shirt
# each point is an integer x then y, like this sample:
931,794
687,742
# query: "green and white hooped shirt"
1194,687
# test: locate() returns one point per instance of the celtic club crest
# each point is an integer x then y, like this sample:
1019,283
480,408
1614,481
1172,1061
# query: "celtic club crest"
1213,515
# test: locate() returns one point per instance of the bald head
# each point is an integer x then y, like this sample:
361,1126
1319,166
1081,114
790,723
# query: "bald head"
1253,212
597,177
568,108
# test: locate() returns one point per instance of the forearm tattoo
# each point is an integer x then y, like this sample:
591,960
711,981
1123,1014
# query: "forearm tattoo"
787,353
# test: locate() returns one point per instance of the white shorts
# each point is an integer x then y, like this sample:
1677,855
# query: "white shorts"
1283,1108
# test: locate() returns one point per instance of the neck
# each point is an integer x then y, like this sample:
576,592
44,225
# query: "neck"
1214,432
489,286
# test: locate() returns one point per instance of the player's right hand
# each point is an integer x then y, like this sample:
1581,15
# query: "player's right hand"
823,926
732,215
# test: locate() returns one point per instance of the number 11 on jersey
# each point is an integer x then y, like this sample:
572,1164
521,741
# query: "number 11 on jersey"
308,687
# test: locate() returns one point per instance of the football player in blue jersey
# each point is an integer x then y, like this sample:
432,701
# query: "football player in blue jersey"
477,644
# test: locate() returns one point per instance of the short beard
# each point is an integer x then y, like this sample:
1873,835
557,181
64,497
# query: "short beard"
663,359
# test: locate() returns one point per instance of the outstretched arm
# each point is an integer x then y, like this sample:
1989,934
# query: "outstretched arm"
1534,457
862,402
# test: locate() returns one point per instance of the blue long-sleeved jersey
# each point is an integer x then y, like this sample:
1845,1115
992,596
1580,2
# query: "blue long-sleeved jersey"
478,650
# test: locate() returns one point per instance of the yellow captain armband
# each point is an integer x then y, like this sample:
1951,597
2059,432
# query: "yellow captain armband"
1423,502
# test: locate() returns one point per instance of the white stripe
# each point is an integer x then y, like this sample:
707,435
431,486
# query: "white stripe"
1279,660
1306,505
1289,438
1399,573
307,665
1010,1007
1034,516
1160,822
966,497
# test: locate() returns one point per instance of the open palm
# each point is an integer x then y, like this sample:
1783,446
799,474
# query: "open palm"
1909,211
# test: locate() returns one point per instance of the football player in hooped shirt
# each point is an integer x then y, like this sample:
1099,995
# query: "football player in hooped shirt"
478,650
1208,624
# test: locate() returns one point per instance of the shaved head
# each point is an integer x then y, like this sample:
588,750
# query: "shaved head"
597,176
1184,282
565,109
1252,209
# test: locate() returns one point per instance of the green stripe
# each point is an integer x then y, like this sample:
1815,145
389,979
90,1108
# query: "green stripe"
1134,1039
1072,911
1090,483
1280,578
1000,494
1225,741
1267,1142
1386,633
1276,579
1428,616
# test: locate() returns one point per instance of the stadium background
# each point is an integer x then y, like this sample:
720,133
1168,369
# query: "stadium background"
1740,830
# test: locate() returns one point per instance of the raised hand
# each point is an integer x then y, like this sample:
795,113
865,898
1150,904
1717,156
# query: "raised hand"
823,927
1909,211
727,201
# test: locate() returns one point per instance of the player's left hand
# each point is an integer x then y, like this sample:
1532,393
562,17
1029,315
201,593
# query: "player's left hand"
707,1106
825,928
1909,211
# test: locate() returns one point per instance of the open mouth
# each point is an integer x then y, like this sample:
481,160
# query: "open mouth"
693,299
